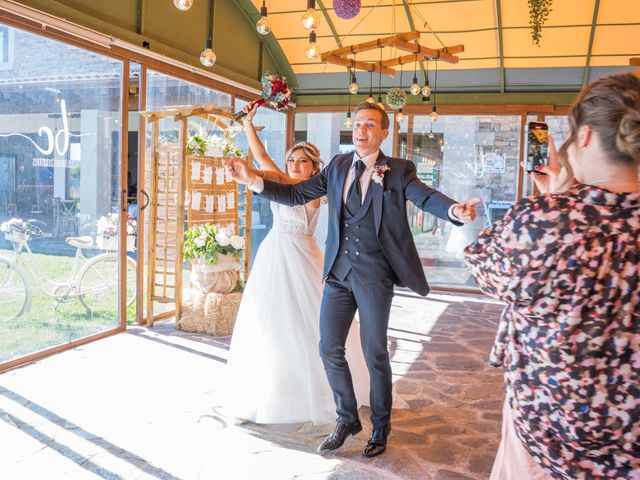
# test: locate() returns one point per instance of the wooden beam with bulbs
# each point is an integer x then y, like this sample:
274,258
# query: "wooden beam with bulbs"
402,41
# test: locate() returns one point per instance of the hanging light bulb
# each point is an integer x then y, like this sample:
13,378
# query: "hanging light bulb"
415,88
348,122
312,52
183,5
426,90
311,18
399,116
370,99
379,103
207,57
434,114
262,25
353,88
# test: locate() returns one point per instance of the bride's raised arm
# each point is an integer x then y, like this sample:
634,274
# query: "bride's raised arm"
255,144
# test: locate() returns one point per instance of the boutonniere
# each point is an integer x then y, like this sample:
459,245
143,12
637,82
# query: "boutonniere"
378,173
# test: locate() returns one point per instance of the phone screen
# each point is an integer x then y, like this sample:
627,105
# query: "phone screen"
537,145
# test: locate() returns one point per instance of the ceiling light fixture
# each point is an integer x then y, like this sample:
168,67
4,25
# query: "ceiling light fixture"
207,57
311,18
262,25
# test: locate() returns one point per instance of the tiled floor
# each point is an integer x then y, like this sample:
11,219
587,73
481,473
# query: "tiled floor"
146,404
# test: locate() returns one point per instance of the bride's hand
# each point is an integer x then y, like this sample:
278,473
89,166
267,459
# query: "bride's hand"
250,109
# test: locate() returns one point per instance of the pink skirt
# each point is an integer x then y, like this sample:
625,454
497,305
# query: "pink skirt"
513,461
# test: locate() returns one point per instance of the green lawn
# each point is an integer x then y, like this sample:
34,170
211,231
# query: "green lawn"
43,326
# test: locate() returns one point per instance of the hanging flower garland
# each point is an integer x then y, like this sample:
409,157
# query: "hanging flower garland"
538,13
396,98
346,9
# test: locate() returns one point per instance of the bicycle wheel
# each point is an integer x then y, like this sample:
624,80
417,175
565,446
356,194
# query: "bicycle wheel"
98,285
15,297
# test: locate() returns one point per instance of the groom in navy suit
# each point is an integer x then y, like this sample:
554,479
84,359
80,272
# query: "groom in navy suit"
369,249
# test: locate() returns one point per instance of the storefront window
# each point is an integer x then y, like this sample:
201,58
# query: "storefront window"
463,157
60,149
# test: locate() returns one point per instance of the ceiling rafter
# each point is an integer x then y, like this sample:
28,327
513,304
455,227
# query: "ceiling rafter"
500,45
251,13
330,23
592,34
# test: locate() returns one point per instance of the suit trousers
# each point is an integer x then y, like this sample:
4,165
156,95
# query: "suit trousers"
340,300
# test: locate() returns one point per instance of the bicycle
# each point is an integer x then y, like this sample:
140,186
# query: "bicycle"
93,281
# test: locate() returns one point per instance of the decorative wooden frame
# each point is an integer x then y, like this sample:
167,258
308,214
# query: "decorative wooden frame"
402,41
171,172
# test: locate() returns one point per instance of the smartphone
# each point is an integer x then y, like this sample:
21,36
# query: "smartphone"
537,145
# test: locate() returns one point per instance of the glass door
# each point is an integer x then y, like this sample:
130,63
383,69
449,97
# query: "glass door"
60,194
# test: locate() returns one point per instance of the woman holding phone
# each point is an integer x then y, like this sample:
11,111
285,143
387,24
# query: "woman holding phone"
567,264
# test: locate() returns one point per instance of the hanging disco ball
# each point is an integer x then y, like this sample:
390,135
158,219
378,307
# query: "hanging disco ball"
346,9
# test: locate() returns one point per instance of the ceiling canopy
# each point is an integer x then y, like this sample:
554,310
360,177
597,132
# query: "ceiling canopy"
581,40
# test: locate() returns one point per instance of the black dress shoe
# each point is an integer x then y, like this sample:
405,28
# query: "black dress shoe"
377,443
339,435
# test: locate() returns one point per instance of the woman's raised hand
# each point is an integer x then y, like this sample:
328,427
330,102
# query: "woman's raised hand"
250,109
552,177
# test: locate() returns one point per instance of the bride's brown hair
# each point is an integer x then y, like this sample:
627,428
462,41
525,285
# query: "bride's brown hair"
310,151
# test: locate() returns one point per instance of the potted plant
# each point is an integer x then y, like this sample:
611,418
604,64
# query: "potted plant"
107,232
213,253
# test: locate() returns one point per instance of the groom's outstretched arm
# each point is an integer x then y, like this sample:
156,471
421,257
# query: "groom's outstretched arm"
426,198
293,194
289,194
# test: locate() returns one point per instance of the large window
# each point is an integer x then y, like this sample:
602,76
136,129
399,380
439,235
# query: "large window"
463,156
59,193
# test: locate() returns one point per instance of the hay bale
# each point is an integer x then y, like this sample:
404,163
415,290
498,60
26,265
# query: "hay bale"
212,313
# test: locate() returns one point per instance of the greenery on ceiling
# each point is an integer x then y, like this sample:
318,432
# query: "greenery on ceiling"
538,13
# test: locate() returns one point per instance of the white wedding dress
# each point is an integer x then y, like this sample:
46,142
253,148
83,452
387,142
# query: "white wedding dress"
275,370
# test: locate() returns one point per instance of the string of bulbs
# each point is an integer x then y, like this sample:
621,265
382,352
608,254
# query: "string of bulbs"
311,21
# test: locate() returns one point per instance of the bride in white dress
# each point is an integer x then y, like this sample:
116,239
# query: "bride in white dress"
275,370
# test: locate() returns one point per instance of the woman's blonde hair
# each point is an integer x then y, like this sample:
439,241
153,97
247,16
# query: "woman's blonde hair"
611,107
311,152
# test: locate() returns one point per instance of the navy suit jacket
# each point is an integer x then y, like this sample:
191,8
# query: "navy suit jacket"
400,184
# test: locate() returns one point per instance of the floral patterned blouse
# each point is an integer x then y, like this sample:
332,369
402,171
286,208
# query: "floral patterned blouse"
568,267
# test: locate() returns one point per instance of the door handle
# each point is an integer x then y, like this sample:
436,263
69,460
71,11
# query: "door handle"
146,203
123,200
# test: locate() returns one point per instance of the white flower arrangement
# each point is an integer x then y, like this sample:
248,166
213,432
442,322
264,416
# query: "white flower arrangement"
207,241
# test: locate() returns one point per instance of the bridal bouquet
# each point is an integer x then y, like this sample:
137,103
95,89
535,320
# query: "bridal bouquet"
275,92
